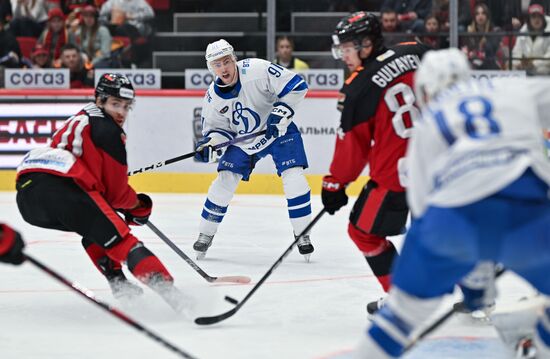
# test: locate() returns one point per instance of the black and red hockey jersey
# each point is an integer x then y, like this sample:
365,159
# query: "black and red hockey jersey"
91,149
377,105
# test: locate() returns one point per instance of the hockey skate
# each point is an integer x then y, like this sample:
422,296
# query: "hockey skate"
123,289
171,295
202,244
375,306
305,247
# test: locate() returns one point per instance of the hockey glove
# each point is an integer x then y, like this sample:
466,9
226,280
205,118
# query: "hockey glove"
205,151
478,287
278,120
140,215
11,245
333,194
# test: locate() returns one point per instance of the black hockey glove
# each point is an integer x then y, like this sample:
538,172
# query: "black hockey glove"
11,245
140,215
333,194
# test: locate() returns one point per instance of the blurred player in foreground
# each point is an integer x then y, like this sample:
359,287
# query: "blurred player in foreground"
77,182
377,114
479,191
249,96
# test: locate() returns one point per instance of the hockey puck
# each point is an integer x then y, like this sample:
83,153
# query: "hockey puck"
231,300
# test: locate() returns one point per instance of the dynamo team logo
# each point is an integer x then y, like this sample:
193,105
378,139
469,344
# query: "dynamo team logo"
246,119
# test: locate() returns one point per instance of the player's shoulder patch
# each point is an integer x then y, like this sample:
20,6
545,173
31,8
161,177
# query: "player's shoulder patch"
386,55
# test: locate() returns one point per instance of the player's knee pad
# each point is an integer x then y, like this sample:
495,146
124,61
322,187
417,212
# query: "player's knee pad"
380,211
224,186
228,181
119,252
369,244
294,182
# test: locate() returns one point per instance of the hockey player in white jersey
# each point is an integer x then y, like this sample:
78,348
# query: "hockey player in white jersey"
479,191
249,96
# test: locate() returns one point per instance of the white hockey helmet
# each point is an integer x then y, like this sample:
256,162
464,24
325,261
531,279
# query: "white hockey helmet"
216,50
439,70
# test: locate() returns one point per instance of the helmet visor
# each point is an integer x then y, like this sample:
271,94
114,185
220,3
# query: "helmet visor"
347,48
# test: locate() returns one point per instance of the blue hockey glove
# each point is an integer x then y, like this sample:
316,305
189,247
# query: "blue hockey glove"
278,120
205,151
478,287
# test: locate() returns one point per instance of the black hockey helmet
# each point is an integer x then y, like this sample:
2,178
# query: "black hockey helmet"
355,27
116,85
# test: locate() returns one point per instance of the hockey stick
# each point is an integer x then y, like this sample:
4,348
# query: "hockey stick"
238,305
457,307
86,293
228,279
191,154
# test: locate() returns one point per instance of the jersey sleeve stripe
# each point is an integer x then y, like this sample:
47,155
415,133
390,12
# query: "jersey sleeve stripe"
290,85
227,134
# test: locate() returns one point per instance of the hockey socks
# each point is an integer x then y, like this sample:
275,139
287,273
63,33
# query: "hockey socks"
299,212
542,334
381,265
108,267
219,195
392,326
298,197
145,266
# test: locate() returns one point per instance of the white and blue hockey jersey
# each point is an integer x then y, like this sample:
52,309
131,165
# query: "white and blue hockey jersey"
475,139
245,108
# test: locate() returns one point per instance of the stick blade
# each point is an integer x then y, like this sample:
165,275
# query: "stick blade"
233,279
217,318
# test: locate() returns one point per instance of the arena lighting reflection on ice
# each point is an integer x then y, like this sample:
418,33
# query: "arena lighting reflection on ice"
26,125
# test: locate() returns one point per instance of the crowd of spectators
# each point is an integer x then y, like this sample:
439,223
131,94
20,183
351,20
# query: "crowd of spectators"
495,34
94,34
81,35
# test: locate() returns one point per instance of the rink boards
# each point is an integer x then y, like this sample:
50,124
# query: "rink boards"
164,124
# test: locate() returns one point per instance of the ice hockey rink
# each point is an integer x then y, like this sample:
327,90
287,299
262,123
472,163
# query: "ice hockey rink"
310,310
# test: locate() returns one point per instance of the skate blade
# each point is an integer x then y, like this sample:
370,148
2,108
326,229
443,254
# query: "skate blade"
306,257
200,255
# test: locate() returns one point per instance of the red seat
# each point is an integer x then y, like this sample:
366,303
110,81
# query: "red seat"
26,44
159,4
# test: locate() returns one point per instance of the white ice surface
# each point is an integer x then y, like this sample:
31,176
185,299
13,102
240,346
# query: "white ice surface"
312,311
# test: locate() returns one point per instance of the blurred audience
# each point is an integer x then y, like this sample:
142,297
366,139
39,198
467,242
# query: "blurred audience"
124,13
82,73
285,57
5,10
410,13
482,49
432,36
55,36
440,9
392,29
94,39
40,58
69,6
505,14
29,17
10,53
532,52
131,19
